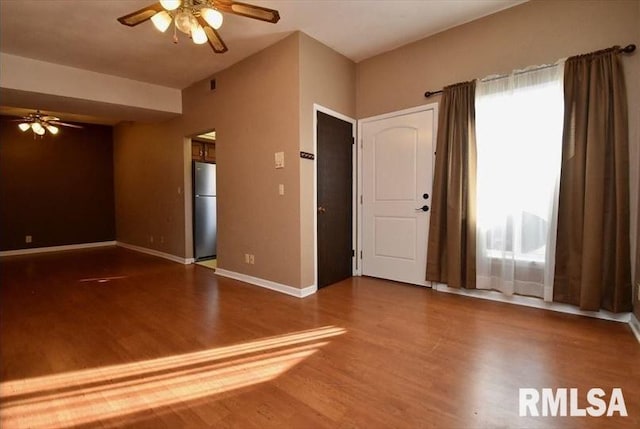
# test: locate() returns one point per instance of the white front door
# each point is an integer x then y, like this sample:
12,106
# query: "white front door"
397,163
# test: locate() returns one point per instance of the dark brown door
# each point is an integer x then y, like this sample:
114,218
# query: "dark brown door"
335,199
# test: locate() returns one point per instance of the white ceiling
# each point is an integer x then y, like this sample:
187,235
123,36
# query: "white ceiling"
85,33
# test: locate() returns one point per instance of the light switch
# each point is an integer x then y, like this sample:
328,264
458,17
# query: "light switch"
281,188
279,159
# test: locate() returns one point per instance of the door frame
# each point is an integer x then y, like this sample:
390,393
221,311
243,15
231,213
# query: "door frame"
361,122
354,225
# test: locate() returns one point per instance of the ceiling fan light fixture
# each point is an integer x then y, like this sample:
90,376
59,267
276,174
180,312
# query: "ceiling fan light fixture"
24,126
161,20
213,17
189,15
37,128
52,129
170,4
198,35
185,22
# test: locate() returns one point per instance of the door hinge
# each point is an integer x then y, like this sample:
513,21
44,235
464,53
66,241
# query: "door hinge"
353,253
360,199
353,140
361,254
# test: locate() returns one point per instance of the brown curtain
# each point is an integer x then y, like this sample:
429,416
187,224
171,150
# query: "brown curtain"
451,254
592,251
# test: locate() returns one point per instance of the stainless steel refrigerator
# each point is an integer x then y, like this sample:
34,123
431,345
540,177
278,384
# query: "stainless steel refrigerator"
204,211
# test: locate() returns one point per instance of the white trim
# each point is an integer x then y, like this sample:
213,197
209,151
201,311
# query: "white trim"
35,250
635,326
157,253
421,108
187,194
268,284
354,226
527,301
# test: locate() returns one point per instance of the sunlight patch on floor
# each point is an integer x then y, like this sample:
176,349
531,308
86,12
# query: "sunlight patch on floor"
87,396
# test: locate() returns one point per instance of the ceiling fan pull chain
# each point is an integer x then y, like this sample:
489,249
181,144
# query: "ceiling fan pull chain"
175,34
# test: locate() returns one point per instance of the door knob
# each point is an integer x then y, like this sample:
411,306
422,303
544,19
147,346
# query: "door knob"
424,208
425,196
321,209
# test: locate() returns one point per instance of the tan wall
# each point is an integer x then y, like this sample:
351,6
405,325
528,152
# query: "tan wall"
328,79
148,187
536,32
255,113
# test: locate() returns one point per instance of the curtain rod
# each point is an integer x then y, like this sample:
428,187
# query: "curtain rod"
626,50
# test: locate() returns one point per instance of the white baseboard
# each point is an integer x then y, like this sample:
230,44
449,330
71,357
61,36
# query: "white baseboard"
278,287
635,326
533,302
35,250
157,253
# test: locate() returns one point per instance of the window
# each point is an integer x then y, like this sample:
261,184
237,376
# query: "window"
519,122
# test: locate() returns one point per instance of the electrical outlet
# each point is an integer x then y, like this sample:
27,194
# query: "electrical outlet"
246,258
281,188
252,259
28,239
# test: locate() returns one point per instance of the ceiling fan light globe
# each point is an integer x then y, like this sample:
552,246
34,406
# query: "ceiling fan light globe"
161,20
37,128
198,35
24,126
185,21
53,129
213,17
170,4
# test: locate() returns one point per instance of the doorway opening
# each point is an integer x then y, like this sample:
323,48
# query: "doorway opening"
205,199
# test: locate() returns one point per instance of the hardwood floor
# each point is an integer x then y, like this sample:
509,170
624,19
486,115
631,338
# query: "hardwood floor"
113,338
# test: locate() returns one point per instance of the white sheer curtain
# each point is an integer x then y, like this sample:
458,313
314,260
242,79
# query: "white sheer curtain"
519,138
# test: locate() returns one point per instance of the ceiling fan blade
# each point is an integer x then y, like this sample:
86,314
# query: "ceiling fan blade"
248,10
49,118
140,16
215,41
64,124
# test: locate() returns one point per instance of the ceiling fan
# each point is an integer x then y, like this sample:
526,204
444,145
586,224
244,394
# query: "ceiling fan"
197,18
40,124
